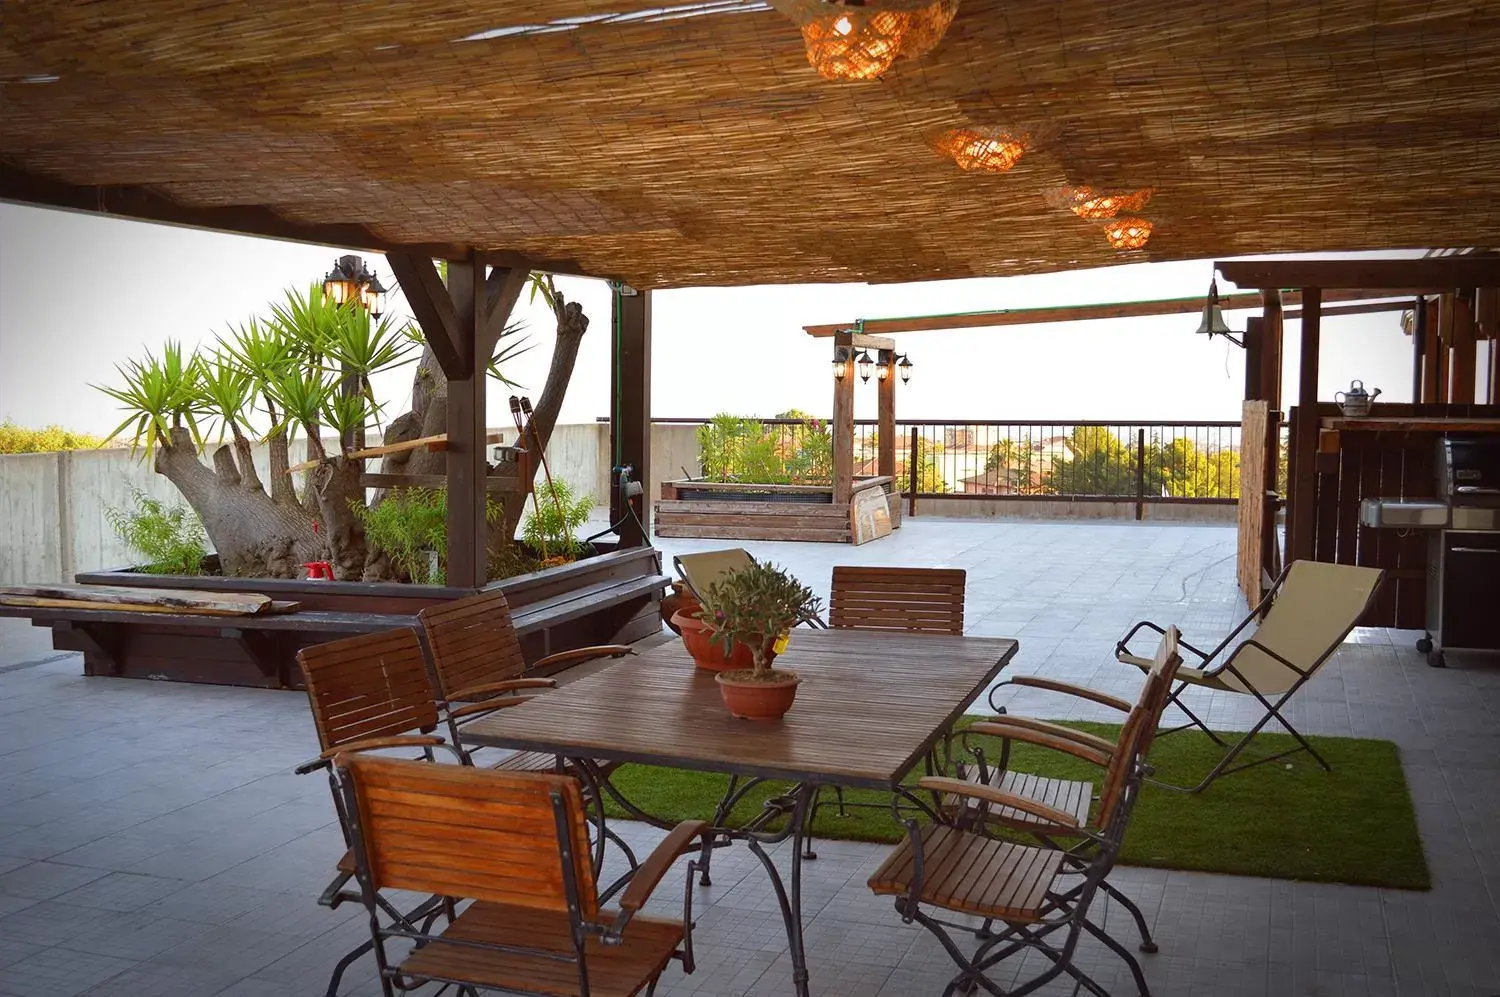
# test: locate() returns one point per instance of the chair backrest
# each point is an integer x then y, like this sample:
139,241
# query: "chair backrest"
473,642
908,600
373,685
464,832
1313,611
702,569
1139,729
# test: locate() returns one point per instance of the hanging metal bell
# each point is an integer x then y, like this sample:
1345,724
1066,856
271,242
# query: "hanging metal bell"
1213,317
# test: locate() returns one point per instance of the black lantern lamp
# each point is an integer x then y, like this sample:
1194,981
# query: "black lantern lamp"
840,363
905,366
350,280
864,363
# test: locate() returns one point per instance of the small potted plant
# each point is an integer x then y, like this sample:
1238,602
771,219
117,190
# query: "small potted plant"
756,607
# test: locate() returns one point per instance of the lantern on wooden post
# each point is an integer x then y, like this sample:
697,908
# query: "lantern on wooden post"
350,280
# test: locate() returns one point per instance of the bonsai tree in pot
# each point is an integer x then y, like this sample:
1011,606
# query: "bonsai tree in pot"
755,606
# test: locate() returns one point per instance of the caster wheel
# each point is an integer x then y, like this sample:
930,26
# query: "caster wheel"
1149,947
1424,645
1436,660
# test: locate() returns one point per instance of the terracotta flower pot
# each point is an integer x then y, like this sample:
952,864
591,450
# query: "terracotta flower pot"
707,652
750,699
679,600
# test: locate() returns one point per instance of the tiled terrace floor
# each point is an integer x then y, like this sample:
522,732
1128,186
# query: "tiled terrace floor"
153,841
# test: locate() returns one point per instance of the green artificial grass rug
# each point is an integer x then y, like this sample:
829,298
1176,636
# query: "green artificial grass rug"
1287,819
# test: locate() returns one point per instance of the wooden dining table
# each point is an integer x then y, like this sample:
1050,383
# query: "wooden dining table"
871,707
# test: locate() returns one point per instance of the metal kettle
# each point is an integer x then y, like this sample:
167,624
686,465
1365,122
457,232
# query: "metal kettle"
1356,401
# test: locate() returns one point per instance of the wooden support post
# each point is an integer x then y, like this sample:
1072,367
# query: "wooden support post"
886,416
630,412
1418,346
1487,327
1461,387
1140,475
1445,348
1274,334
1305,443
1432,351
468,527
913,475
1255,356
843,428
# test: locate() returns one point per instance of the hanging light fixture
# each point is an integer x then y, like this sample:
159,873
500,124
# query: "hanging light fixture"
1213,323
983,150
1094,204
864,363
1128,233
851,40
350,280
906,366
883,370
840,363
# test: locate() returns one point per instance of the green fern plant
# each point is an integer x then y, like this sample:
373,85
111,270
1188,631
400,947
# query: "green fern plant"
169,537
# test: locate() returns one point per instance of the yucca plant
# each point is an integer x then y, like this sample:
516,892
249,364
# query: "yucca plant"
160,393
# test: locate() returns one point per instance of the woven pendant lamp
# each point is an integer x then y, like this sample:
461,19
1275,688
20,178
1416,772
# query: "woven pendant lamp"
1128,233
983,150
851,40
1095,204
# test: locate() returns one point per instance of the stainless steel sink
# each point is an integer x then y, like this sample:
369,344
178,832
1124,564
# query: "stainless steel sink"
1403,514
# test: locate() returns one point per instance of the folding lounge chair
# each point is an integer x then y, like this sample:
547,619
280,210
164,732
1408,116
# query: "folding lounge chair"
1039,896
1303,619
516,844
699,571
1076,798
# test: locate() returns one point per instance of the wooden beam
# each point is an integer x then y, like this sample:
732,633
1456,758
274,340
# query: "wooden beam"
1465,353
468,525
1271,366
1407,276
1255,358
433,307
842,427
503,289
1444,363
492,482
630,407
885,421
1418,346
1067,313
1305,445
19,186
1432,352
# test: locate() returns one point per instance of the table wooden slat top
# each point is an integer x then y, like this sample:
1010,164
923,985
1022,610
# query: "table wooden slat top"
869,707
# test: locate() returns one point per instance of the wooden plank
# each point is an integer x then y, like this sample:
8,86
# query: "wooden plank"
1413,424
688,484
761,521
1250,545
842,428
1302,497
434,444
752,533
154,599
1390,276
812,510
885,418
492,482
1001,317
1465,352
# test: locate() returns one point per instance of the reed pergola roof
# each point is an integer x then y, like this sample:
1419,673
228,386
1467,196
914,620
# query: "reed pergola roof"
695,146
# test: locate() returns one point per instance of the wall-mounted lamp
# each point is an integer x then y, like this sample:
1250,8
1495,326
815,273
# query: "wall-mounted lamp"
883,370
864,363
906,365
840,363
1213,323
351,280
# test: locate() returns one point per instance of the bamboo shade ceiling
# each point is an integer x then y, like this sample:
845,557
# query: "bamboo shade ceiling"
704,150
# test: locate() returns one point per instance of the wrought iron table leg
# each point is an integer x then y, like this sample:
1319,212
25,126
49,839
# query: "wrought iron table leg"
791,904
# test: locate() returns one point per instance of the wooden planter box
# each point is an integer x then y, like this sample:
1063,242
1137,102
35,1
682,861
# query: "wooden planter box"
732,511
613,597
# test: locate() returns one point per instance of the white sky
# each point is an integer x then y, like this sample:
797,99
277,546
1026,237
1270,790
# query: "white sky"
80,293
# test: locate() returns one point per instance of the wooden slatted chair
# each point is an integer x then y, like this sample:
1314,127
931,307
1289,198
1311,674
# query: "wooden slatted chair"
1036,892
1075,798
367,693
479,666
900,600
516,844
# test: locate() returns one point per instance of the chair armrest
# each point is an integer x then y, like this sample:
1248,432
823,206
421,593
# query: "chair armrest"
472,710
584,654
1058,730
371,744
1082,692
475,692
1067,746
989,794
651,871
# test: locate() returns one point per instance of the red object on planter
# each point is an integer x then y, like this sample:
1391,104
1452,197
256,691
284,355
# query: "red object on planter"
707,652
319,570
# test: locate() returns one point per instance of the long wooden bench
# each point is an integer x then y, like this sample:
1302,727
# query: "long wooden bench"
613,598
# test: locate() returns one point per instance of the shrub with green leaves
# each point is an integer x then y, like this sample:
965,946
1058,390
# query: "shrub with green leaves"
551,528
753,605
409,524
169,537
20,439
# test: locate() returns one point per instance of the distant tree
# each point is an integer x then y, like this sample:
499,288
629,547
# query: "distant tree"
1189,472
19,439
1100,463
1015,463
930,479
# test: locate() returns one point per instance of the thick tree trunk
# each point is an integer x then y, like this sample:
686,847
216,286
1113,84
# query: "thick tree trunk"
254,536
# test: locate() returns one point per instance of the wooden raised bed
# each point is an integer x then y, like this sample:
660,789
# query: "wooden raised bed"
613,597
732,511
